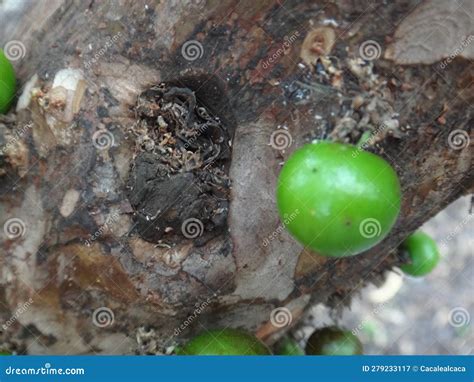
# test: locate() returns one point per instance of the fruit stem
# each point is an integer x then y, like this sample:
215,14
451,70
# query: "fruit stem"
363,139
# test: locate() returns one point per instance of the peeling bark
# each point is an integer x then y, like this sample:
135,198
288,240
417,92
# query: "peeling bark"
78,249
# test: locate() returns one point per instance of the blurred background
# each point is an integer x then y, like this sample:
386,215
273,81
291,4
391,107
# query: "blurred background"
426,315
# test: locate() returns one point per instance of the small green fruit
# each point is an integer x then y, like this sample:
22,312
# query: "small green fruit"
337,199
333,341
7,83
423,253
288,346
224,342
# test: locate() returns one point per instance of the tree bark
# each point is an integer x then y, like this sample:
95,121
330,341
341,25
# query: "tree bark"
88,265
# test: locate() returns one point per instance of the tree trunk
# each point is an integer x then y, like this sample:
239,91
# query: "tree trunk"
106,250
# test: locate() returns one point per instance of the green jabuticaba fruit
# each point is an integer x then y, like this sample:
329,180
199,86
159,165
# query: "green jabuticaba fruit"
423,253
337,199
224,342
333,341
7,83
288,346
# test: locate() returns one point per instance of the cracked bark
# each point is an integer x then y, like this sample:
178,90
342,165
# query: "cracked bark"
65,176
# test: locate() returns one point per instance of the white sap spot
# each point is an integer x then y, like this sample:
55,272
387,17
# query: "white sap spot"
25,97
68,79
69,202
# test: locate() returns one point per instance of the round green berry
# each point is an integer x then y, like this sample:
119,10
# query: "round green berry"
337,199
224,342
422,252
333,341
7,83
288,346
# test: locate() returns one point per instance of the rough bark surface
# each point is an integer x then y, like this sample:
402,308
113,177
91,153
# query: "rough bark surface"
85,247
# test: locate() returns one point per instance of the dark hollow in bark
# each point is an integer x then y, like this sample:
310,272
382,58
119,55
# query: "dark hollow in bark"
179,183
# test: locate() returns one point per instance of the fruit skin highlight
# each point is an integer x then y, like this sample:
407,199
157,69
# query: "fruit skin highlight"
224,342
333,341
7,83
347,199
423,253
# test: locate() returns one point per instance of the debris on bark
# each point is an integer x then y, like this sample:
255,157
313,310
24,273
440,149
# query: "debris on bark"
179,183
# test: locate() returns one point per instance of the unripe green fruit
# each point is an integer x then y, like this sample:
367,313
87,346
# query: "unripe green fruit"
7,83
288,346
224,342
333,341
423,253
337,199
